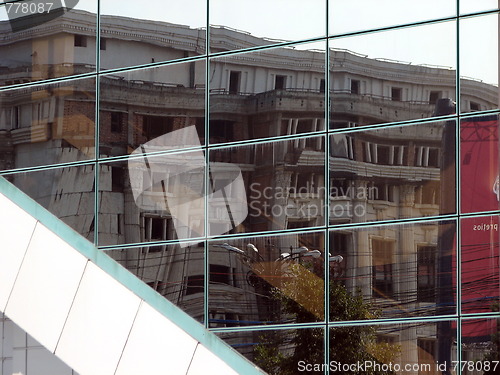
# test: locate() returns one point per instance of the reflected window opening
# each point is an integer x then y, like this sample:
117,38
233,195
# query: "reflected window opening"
280,82
396,94
434,96
426,273
102,44
355,87
80,40
234,82
382,264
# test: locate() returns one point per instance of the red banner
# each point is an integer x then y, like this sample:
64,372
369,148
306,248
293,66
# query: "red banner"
480,289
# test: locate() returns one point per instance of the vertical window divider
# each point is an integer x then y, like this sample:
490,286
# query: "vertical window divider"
206,263
326,180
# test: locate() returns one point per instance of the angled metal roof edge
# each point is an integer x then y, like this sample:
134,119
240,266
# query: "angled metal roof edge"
213,343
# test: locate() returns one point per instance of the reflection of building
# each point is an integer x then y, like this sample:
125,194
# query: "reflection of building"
381,174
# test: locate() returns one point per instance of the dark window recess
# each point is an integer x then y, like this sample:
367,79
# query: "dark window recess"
222,130
16,117
304,185
102,44
116,122
381,192
396,94
383,155
426,274
80,41
234,82
157,229
220,274
298,224
434,96
280,82
339,243
340,187
119,219
193,284
382,264
322,86
155,126
117,179
355,87
433,158
475,106
378,191
304,125
427,345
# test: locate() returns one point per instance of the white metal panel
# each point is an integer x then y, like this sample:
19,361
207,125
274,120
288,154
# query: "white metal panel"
98,324
45,287
207,363
156,344
16,228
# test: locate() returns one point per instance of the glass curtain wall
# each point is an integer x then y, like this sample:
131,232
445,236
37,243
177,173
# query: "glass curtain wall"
318,183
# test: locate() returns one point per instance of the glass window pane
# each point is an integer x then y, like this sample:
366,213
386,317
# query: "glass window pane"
244,24
479,164
48,124
268,186
152,32
358,15
67,193
417,348
266,280
152,198
281,351
281,99
392,271
374,78
173,271
42,40
479,68
141,110
392,173
480,346
480,257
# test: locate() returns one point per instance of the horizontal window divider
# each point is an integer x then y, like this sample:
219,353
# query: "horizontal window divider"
48,167
195,241
415,220
427,120
270,327
430,319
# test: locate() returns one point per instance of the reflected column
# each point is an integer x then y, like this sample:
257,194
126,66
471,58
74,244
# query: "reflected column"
362,250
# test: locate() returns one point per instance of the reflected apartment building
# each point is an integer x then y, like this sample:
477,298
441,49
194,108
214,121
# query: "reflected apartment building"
307,182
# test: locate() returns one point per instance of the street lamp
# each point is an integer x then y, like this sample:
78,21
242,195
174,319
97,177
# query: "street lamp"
231,248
